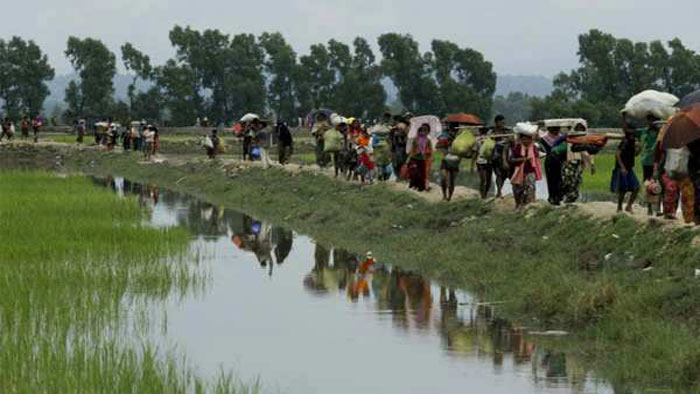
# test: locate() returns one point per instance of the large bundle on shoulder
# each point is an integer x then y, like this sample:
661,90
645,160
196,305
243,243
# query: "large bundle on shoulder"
332,138
464,143
659,104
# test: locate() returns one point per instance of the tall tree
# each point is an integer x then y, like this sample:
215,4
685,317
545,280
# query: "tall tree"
245,82
280,65
315,79
613,69
466,81
96,67
410,71
138,63
24,69
228,71
177,84
358,90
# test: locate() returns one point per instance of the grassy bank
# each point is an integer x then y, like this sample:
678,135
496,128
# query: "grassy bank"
552,267
76,265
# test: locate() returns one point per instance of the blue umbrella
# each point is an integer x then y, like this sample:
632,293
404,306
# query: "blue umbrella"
690,99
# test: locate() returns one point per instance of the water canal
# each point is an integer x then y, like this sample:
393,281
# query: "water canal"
302,317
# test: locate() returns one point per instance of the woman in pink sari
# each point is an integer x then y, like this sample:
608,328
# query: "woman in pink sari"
525,159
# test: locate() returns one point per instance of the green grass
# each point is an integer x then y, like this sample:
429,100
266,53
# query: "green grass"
76,263
552,267
600,181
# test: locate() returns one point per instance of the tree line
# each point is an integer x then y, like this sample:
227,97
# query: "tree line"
221,77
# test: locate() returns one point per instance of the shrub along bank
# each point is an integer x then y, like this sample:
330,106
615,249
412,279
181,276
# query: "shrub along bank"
552,268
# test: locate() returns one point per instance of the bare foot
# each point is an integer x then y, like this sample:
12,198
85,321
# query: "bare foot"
629,209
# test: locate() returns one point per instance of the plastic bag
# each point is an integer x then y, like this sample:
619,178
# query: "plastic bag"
676,164
382,154
463,145
207,143
333,141
486,149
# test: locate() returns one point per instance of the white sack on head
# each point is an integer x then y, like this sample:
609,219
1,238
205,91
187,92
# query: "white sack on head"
651,102
380,129
337,119
523,128
249,117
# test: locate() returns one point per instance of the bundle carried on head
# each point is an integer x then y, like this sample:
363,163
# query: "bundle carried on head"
651,102
526,129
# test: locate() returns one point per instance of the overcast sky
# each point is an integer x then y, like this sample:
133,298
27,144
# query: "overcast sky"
518,36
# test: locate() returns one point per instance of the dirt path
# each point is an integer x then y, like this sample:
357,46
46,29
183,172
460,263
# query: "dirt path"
599,210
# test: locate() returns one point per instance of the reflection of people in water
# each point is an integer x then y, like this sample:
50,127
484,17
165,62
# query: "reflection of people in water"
282,239
360,280
154,194
260,238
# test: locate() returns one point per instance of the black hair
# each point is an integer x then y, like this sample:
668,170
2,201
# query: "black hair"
499,118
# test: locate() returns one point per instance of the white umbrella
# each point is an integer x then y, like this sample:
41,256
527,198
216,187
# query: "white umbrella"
417,122
249,117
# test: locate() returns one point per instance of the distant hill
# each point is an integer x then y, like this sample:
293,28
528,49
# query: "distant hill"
532,85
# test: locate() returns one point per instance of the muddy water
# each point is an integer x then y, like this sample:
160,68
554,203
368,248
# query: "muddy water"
307,318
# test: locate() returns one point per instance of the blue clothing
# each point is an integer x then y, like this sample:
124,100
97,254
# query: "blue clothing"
623,183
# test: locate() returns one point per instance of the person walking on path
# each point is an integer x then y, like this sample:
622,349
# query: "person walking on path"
421,151
148,137
211,144
449,168
483,152
319,129
25,127
7,130
674,186
572,170
398,138
80,131
36,124
624,180
499,160
554,144
285,142
525,160
647,137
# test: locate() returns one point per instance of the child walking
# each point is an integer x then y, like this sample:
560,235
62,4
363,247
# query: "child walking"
366,165
624,180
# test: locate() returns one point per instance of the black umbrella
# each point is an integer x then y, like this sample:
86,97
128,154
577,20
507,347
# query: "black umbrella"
311,117
690,99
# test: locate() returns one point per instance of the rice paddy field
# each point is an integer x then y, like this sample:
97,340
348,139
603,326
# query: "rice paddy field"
79,273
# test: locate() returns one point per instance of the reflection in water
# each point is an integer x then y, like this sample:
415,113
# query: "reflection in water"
463,334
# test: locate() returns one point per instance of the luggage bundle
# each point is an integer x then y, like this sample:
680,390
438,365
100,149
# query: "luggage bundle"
463,145
333,141
659,104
